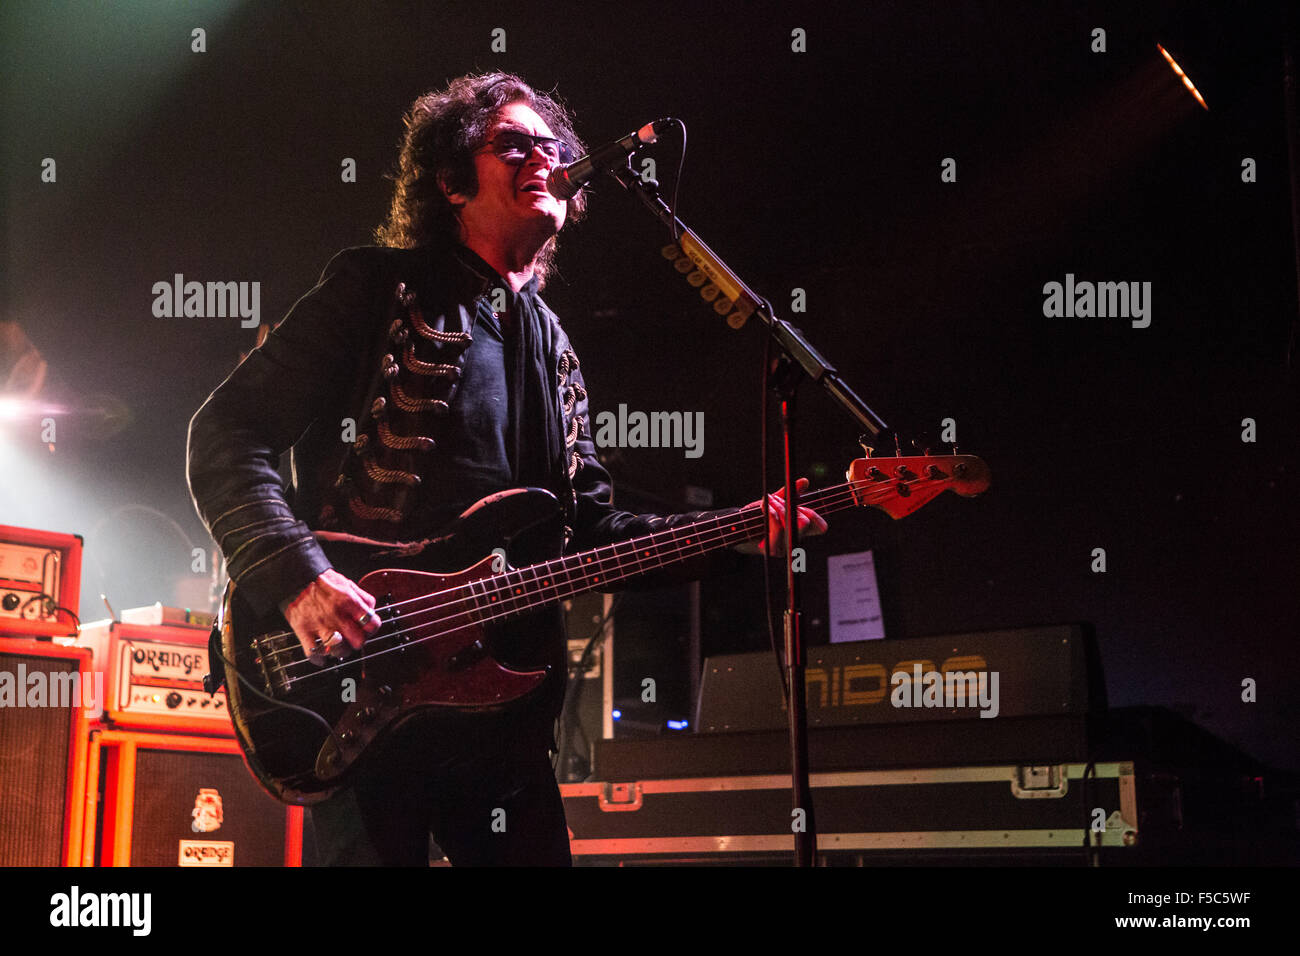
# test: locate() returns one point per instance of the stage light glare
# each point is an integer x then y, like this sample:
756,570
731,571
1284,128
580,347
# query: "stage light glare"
1187,81
15,409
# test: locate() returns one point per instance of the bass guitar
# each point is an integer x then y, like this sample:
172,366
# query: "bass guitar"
303,726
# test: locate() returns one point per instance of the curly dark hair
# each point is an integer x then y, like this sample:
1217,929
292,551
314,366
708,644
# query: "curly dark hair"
443,131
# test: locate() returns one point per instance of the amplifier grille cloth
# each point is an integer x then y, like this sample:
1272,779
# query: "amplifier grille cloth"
33,770
167,785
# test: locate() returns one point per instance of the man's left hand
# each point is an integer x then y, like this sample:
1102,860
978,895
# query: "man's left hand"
810,522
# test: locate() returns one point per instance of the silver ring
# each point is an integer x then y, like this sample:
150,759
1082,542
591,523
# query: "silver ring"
365,617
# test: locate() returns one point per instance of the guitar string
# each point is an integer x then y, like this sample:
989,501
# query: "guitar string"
624,553
464,604
487,590
370,653
624,548
747,529
824,496
750,525
750,521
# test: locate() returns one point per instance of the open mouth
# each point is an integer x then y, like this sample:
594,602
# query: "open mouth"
533,186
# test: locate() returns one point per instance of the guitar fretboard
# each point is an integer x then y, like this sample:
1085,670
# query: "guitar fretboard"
518,591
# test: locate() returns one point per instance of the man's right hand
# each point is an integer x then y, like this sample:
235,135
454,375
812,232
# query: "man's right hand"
332,604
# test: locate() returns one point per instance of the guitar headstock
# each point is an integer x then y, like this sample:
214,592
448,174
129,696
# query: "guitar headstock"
899,486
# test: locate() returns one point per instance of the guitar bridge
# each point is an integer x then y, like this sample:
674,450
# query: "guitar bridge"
268,658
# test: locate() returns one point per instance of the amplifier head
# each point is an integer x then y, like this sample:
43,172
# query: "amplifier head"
40,581
155,677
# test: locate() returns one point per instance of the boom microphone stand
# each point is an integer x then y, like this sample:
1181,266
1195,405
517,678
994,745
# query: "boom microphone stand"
798,360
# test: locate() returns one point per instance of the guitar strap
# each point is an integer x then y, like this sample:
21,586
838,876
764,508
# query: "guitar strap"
382,549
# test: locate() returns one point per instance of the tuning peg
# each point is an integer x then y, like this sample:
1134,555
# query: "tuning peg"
867,449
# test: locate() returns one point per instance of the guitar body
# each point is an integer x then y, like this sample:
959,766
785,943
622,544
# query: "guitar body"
430,653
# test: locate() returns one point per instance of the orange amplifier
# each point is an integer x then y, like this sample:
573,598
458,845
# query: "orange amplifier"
176,800
155,677
40,582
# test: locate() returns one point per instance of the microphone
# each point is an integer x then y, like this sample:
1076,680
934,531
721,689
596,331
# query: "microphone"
565,181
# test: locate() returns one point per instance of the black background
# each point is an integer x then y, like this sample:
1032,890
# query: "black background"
818,170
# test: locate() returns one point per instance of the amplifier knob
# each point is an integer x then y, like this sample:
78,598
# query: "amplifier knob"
173,700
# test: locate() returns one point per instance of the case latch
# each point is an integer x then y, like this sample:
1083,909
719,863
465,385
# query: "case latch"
620,796
1039,782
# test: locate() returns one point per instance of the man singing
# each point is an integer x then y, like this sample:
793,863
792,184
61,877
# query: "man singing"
417,377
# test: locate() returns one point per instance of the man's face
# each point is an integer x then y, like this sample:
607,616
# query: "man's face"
512,203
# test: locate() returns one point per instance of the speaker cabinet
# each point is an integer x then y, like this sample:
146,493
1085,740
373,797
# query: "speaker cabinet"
170,800
44,723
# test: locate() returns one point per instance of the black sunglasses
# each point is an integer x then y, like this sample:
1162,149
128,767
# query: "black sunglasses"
513,147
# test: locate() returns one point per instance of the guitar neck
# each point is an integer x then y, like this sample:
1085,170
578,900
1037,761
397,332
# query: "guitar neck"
524,589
